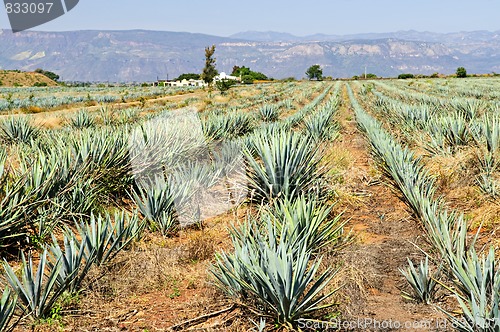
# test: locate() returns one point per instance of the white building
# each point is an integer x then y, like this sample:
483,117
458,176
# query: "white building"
224,76
184,82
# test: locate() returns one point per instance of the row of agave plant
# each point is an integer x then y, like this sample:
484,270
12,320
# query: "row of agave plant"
47,98
430,98
63,174
446,132
63,271
275,268
477,88
281,95
474,280
68,179
214,163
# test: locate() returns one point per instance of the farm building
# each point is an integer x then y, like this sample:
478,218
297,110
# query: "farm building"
184,82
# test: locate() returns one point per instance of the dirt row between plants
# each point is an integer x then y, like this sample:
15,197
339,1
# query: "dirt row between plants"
385,237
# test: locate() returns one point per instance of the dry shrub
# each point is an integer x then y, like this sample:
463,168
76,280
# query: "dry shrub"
33,109
200,246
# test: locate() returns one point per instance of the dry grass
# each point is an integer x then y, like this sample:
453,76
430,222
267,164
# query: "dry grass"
199,247
50,122
453,171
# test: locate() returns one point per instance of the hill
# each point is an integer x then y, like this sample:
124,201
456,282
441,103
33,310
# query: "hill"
139,55
16,78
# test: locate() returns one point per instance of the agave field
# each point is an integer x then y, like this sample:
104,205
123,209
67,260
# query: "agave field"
248,210
33,100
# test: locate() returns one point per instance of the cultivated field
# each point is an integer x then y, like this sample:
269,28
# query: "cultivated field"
284,206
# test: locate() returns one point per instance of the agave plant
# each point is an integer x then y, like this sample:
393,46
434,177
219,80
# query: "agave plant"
288,103
159,204
227,126
478,314
280,275
107,116
285,166
468,108
18,129
13,208
456,130
105,238
269,113
477,282
308,221
37,290
128,116
421,281
165,142
75,259
104,155
83,119
321,125
446,231
8,304
490,130
82,196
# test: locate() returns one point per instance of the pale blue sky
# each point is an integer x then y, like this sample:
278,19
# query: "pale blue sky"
225,17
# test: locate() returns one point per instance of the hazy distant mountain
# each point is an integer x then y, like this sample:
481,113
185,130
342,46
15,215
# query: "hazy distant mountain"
139,55
266,36
454,37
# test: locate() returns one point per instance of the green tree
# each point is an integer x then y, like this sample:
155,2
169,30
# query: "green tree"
247,79
315,72
209,72
405,76
49,74
237,71
224,85
247,75
461,72
188,77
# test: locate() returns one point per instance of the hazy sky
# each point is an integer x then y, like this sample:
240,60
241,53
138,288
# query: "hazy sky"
224,17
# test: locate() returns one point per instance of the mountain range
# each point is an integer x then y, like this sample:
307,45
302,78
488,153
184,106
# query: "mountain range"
141,55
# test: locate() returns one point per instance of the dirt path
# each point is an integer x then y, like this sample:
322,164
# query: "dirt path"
385,233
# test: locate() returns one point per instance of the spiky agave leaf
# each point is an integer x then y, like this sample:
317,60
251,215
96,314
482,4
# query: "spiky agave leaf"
18,129
83,119
37,291
307,220
278,274
488,133
421,281
477,283
8,304
456,130
321,125
75,259
285,166
107,236
160,204
225,126
269,112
